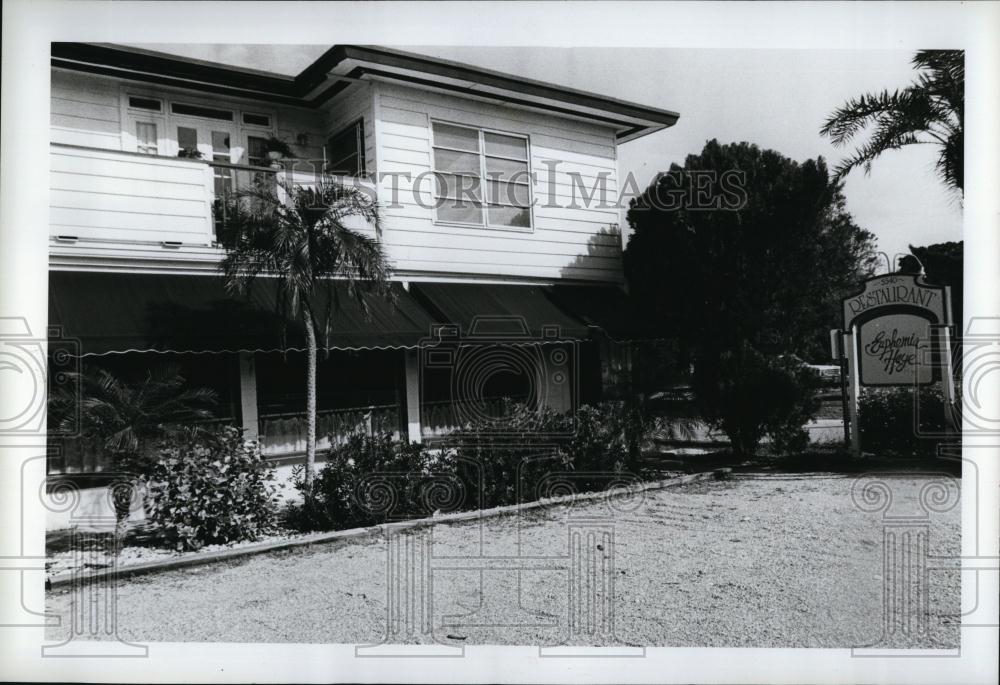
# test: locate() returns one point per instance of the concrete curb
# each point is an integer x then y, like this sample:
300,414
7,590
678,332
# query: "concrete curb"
173,563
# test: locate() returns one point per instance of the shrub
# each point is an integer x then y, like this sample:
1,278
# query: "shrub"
365,481
369,480
889,425
543,453
210,487
748,395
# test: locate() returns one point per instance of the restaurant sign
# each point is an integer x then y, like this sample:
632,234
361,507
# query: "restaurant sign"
893,317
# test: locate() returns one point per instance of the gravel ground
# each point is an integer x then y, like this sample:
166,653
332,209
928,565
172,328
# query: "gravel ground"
763,560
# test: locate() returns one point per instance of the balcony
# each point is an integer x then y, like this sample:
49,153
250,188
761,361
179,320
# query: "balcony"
112,205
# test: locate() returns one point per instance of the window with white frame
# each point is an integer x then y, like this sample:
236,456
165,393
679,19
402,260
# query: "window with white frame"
145,138
472,162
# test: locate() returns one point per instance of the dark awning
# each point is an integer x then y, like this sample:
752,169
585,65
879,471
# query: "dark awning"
115,313
606,308
505,311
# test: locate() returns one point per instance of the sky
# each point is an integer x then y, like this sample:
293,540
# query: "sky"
777,99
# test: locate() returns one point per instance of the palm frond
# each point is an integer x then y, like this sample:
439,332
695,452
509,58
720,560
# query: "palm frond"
930,110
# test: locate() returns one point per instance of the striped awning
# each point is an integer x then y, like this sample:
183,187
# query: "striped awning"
114,313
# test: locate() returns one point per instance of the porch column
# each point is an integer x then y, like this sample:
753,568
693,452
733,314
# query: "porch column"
248,395
411,362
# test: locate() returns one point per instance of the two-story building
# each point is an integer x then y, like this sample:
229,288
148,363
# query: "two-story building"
491,221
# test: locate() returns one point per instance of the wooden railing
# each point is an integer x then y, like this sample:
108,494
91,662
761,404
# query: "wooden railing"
282,434
437,419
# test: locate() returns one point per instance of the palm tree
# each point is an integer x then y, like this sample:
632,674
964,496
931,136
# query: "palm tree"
125,417
929,111
298,236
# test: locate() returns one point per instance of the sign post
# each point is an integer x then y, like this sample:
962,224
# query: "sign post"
850,343
893,323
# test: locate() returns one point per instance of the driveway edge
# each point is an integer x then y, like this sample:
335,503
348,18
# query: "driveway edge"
173,563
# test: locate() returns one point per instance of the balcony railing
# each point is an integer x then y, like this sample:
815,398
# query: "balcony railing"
113,196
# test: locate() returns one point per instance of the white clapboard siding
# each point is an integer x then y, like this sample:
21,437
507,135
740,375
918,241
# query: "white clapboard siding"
84,110
116,196
578,240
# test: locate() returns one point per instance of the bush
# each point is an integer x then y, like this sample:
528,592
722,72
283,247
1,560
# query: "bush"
538,454
365,481
890,426
748,396
210,487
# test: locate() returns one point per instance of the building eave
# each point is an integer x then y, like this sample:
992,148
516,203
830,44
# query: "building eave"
343,65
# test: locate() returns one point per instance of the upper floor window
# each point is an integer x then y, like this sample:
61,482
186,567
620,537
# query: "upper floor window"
255,119
345,152
201,111
481,177
148,104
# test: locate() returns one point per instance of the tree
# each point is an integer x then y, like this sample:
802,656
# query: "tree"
126,416
929,111
299,236
742,255
943,265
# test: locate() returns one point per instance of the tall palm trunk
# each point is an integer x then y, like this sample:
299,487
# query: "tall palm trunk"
310,396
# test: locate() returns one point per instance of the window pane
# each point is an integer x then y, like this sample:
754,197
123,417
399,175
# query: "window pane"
507,170
256,151
198,111
508,193
467,214
345,167
510,216
145,137
223,181
144,103
345,152
457,137
187,139
256,119
460,187
506,146
220,147
457,162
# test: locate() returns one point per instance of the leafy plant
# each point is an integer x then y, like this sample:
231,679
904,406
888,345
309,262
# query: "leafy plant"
931,110
892,420
189,153
749,396
211,487
303,241
275,144
369,479
364,481
126,417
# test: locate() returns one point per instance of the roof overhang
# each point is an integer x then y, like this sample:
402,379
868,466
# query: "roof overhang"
343,65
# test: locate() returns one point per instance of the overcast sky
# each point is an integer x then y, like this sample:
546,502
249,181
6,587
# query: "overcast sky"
775,98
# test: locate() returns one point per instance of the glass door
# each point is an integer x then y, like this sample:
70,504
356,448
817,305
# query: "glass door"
214,144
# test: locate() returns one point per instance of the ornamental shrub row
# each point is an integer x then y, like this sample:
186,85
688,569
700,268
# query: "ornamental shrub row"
523,456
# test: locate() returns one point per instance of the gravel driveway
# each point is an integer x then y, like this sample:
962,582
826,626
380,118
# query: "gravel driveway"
762,560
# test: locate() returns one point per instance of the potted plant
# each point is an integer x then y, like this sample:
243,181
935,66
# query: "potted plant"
278,149
189,153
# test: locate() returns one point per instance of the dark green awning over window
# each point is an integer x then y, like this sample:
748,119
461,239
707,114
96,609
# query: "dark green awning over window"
114,313
498,311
